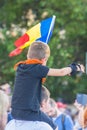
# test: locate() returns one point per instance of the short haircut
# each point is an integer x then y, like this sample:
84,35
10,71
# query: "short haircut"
45,94
38,50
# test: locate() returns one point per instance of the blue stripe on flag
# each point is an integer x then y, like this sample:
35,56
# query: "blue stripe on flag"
46,29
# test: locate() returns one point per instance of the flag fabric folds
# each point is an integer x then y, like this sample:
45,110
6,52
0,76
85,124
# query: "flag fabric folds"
40,32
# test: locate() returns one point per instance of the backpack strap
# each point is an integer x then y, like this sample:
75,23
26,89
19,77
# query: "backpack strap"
63,120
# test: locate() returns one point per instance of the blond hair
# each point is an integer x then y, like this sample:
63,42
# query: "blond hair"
38,50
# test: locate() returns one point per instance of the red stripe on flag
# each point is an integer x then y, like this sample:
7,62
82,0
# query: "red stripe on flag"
15,52
22,40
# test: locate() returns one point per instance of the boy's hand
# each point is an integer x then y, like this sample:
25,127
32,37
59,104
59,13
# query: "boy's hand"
81,68
76,67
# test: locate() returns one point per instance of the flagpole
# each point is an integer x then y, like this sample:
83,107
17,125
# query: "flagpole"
52,23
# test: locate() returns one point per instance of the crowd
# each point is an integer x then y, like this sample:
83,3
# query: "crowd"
31,107
65,116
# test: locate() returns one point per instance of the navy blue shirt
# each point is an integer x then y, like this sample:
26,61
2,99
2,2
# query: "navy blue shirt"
27,88
26,97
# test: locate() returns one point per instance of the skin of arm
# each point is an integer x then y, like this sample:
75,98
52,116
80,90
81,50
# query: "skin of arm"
64,71
59,72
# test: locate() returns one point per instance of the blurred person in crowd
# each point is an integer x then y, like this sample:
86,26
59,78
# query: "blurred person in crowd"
4,104
61,106
63,121
82,116
45,106
6,88
68,109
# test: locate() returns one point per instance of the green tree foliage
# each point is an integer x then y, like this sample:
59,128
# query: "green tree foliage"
68,42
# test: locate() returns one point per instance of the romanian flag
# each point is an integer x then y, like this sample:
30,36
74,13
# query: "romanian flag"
40,32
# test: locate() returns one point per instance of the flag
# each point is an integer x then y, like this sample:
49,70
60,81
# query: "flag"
40,32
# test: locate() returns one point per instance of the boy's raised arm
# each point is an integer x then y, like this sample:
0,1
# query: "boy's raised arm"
72,69
59,72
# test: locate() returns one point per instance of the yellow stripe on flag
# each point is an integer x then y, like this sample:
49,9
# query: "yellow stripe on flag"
27,44
34,33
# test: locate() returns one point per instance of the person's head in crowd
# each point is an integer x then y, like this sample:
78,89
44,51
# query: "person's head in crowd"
45,96
4,104
39,50
53,111
63,121
82,117
82,114
6,88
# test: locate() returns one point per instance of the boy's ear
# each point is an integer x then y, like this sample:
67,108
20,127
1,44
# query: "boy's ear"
43,60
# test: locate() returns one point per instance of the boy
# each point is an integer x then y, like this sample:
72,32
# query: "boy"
28,81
